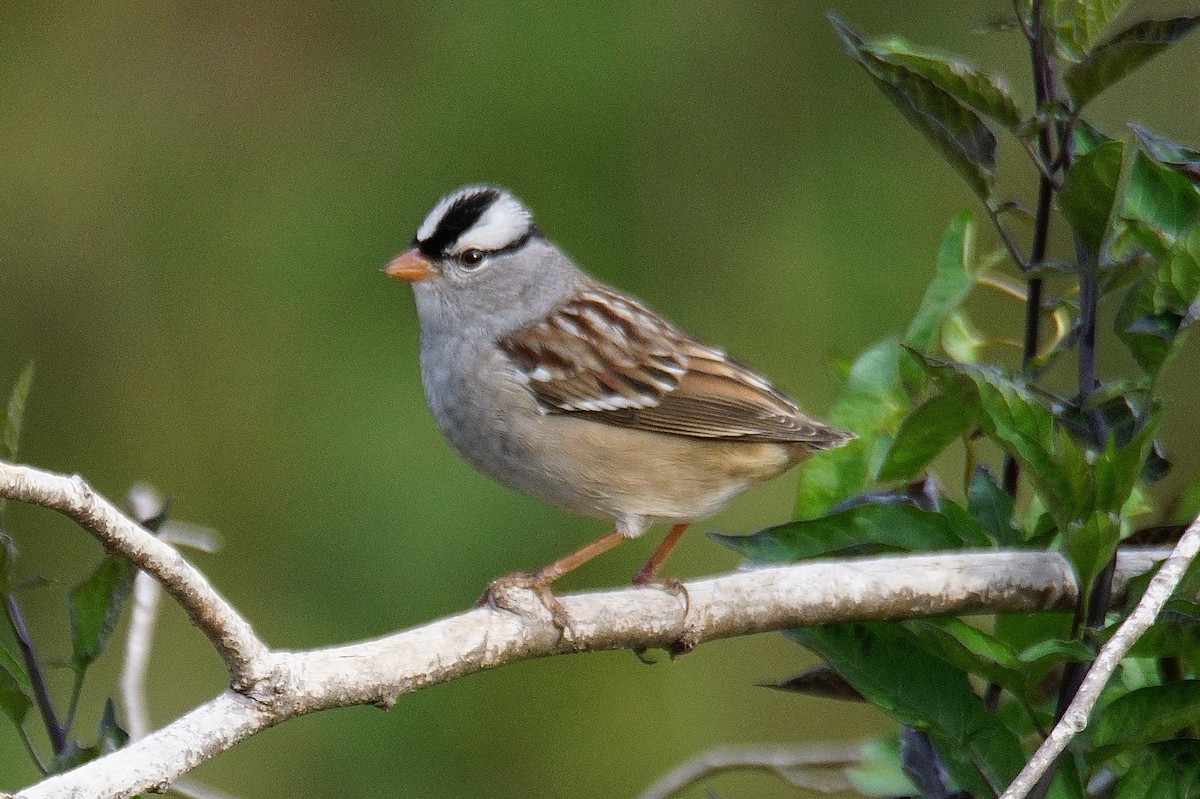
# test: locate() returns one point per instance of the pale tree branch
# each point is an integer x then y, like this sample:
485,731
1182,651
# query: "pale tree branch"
1075,719
819,767
243,652
289,684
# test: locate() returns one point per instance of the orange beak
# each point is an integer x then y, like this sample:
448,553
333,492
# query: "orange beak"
409,265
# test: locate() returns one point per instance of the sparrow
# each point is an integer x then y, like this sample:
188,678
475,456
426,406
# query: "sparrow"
567,389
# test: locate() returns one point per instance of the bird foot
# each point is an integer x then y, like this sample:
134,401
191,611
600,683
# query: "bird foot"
687,642
496,596
670,585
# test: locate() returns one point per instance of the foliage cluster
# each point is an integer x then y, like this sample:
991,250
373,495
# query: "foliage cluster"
984,694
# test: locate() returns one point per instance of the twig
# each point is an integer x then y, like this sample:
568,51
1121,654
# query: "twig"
378,672
1076,717
37,678
138,644
244,653
801,766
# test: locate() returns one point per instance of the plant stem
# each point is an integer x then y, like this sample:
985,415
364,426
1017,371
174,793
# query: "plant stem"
41,692
1045,91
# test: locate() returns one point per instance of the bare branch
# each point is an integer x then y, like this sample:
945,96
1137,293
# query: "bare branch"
378,672
816,768
244,653
1076,717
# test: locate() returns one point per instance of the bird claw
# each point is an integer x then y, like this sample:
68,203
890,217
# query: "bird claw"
495,596
671,586
687,642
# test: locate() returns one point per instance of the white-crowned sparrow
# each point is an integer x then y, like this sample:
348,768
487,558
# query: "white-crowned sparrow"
562,387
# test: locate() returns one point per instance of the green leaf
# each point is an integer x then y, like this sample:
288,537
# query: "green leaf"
971,650
1161,197
878,771
885,527
1023,631
927,431
986,93
1119,469
961,341
1009,415
1045,655
952,282
1120,55
109,734
16,692
1079,23
1091,544
872,404
95,607
1167,770
1183,159
15,414
1086,137
1161,305
992,507
1089,193
1145,715
957,131
886,664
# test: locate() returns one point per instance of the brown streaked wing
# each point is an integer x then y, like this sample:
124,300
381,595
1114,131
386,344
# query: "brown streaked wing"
607,355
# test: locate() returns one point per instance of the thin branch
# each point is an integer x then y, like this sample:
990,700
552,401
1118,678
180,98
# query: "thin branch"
244,653
1076,717
802,766
37,678
380,671
146,594
1045,91
1006,237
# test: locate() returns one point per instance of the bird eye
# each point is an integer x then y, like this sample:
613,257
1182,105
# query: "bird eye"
471,257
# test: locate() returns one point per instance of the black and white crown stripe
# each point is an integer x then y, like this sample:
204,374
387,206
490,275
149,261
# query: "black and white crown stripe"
474,217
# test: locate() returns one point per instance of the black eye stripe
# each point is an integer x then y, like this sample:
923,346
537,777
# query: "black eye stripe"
462,214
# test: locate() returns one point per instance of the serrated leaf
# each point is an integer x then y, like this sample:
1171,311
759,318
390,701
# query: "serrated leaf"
16,692
1166,770
95,607
952,282
971,650
1079,23
1145,715
1162,198
872,404
1011,416
1181,158
1161,305
992,507
1120,55
15,414
1090,544
1039,658
955,130
924,433
925,692
858,530
986,93
960,340
1086,137
1119,468
1089,193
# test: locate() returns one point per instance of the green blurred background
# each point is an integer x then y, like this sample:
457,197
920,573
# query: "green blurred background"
196,200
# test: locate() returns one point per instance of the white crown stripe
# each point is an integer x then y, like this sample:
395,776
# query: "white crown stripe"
504,222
